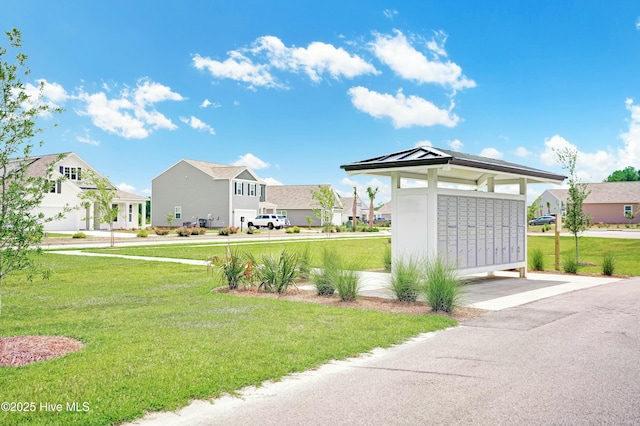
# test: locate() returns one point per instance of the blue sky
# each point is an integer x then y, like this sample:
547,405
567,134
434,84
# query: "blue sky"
294,89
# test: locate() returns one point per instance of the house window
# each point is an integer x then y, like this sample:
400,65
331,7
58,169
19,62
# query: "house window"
115,207
178,212
238,188
251,189
130,212
628,209
72,173
282,213
53,187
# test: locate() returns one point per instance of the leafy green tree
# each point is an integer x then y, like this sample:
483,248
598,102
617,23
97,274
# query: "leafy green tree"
624,175
532,210
325,200
576,221
21,226
101,195
372,196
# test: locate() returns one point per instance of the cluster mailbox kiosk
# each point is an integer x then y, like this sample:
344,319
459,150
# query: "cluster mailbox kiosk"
457,215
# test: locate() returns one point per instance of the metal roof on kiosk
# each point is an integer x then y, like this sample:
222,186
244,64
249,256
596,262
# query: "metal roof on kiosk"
455,167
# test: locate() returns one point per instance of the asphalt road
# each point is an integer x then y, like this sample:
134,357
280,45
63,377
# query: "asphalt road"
571,359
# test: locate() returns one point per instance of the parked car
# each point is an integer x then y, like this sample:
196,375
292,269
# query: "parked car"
543,220
285,221
266,221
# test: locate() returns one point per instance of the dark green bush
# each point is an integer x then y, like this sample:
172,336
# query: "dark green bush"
569,264
325,279
143,233
296,230
79,235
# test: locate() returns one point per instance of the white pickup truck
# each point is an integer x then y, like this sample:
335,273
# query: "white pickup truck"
266,221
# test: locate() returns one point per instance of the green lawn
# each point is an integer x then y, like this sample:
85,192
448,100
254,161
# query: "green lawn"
591,250
156,337
367,252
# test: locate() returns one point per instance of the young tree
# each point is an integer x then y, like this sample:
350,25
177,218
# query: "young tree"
625,175
354,209
325,202
101,195
21,227
372,196
575,219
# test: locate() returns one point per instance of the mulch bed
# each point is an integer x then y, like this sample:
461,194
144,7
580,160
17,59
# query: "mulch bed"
21,350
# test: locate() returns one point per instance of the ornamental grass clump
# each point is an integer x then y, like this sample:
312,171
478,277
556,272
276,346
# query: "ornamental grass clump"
569,264
304,266
443,287
348,284
386,257
608,263
537,260
325,279
407,279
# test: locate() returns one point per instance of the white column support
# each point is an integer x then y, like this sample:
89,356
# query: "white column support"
432,213
395,213
523,191
143,220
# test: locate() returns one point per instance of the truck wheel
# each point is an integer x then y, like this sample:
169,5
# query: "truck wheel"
270,225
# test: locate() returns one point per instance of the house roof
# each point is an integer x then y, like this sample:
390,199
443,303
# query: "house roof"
295,197
606,193
221,171
385,209
347,202
453,166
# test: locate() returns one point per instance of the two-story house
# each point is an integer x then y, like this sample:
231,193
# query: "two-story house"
67,194
207,194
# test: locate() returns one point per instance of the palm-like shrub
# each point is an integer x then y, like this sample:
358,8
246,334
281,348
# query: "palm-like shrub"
406,280
277,273
232,267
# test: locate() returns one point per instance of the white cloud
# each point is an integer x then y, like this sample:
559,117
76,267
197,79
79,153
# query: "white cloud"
638,24
403,111
272,181
590,166
126,187
237,67
436,44
423,143
522,152
132,114
396,52
52,95
491,153
389,13
196,123
455,144
314,60
205,103
251,161
630,154
86,138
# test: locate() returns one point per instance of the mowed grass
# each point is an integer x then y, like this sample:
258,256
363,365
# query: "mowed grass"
591,250
155,337
365,252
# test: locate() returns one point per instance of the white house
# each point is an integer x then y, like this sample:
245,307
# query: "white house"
67,194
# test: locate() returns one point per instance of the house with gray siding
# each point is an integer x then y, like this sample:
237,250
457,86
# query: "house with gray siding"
296,203
206,194
607,202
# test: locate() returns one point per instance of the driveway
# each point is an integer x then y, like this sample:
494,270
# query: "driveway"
568,359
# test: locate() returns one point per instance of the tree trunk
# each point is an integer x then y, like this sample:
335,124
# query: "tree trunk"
354,210
371,214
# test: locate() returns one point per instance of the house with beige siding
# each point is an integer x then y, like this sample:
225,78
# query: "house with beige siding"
296,203
200,193
607,202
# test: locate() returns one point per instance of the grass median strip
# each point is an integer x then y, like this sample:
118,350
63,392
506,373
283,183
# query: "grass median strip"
156,337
